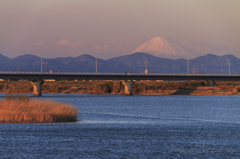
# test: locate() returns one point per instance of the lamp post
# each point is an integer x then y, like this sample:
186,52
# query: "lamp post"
41,62
46,65
229,64
96,63
146,71
187,65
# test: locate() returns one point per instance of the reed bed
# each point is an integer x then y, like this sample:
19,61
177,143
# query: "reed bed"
36,111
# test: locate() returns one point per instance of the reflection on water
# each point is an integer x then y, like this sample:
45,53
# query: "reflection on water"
116,126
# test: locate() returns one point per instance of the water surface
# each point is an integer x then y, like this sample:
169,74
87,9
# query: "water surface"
117,126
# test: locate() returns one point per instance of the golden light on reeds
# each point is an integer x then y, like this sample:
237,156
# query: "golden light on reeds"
36,111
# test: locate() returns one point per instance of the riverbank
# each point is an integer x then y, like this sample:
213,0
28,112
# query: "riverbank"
117,87
36,111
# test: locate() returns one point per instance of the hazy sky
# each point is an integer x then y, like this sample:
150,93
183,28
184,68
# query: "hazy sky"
108,28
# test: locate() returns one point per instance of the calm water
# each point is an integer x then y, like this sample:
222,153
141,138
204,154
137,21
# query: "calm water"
117,126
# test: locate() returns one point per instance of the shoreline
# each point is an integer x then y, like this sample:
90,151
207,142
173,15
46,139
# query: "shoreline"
116,87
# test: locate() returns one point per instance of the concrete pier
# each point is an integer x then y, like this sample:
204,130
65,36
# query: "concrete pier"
128,87
37,88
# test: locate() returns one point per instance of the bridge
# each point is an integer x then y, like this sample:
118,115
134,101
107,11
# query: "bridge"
37,78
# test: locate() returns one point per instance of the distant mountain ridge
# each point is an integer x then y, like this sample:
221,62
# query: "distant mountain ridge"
134,63
3,58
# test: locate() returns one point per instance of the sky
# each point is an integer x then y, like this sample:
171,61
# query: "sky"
110,28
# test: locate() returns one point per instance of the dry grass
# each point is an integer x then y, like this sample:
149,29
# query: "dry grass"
36,111
116,87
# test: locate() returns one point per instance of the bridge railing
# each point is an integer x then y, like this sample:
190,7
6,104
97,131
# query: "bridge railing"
90,73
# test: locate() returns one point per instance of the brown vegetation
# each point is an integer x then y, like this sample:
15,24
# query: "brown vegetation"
36,111
117,87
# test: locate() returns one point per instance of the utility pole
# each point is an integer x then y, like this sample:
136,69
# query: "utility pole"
229,67
187,65
47,66
96,63
146,71
41,62
229,64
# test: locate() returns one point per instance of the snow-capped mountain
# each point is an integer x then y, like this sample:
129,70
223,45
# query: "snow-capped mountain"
162,47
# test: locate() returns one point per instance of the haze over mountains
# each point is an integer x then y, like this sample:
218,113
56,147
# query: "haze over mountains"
134,63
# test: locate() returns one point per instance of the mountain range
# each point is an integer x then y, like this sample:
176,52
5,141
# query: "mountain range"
133,63
179,48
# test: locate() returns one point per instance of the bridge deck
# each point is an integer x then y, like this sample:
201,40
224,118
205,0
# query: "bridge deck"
115,76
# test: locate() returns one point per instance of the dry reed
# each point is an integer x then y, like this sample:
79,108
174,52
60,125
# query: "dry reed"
36,111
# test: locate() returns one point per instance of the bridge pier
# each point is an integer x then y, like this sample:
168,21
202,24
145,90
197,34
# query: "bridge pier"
128,87
37,87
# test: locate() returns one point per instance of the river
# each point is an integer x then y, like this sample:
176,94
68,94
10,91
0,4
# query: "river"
138,126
